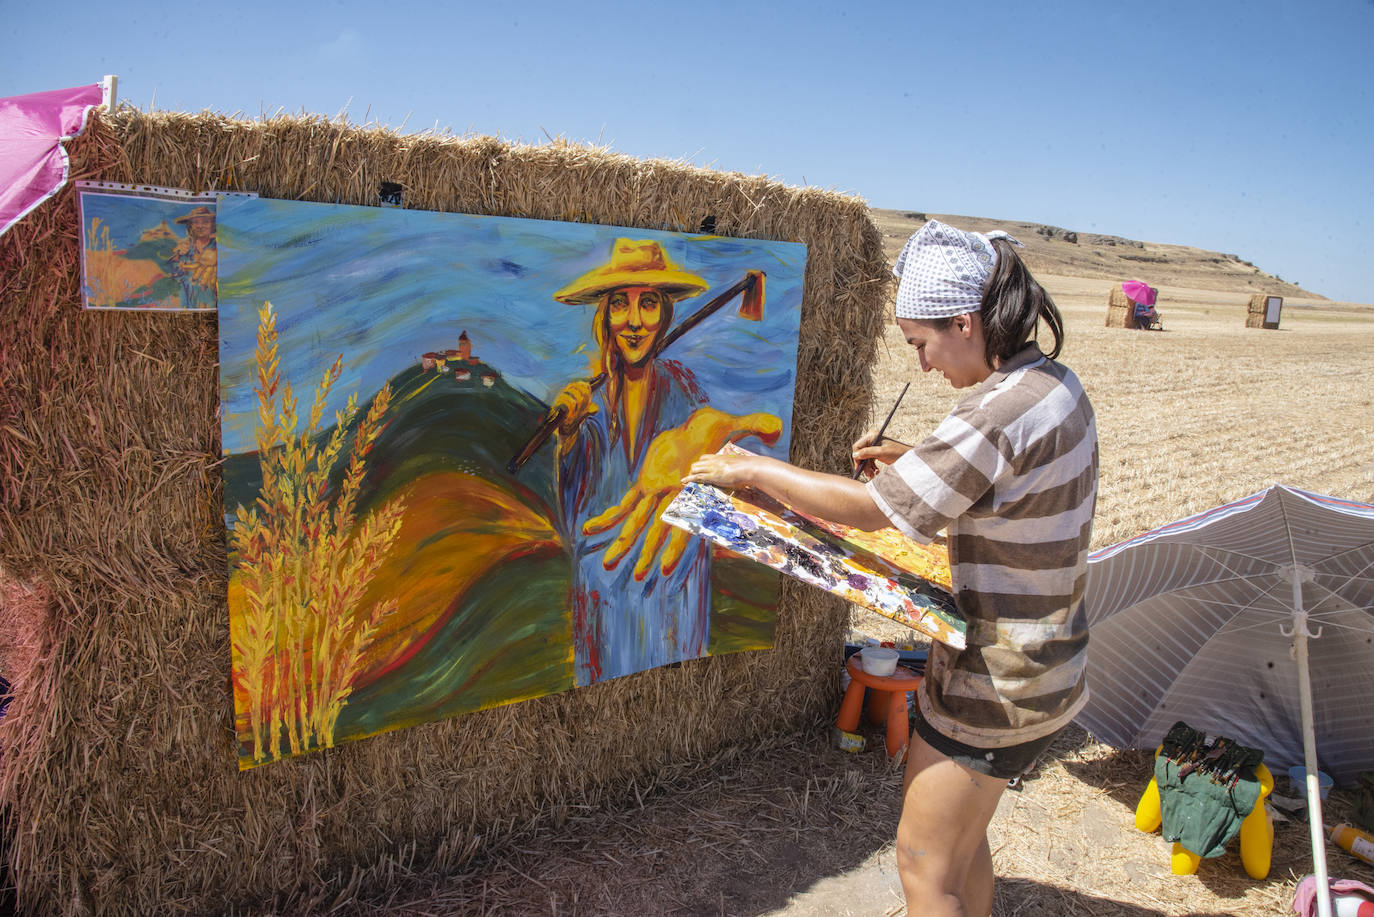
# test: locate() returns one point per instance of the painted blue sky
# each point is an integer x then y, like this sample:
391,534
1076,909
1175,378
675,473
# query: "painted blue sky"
381,286
1242,127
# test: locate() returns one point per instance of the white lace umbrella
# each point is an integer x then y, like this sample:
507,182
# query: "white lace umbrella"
1254,620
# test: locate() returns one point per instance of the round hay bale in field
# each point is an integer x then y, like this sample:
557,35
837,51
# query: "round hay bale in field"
119,783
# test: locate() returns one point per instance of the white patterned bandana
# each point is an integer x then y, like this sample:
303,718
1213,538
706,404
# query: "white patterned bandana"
943,270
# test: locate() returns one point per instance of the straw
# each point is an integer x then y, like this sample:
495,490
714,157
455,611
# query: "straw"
119,778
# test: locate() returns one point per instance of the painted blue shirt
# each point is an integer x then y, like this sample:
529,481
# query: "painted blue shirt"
182,266
622,626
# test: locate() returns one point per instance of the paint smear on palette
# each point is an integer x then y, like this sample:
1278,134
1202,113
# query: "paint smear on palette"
882,571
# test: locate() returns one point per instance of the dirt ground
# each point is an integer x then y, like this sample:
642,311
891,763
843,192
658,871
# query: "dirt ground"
1205,412
802,829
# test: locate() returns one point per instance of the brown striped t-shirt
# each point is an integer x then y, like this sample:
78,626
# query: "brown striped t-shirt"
1011,475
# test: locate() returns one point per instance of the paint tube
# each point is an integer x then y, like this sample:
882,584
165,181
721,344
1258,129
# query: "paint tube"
1354,842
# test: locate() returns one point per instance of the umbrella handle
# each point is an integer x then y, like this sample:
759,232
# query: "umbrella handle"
1297,574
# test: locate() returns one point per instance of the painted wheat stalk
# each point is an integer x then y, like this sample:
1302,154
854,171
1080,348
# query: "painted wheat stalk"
305,564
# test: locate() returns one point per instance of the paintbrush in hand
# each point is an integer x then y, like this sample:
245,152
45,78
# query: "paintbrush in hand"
868,463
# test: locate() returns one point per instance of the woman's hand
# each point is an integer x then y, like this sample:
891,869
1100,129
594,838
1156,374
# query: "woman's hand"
871,448
721,470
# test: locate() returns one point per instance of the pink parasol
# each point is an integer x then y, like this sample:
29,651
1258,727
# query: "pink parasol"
33,164
1139,292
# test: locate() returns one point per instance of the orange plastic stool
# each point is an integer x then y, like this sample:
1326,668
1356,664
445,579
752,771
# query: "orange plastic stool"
887,703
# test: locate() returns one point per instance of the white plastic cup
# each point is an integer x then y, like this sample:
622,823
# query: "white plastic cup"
1298,775
879,660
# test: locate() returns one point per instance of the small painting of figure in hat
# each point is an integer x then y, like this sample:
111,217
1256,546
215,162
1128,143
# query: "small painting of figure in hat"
194,260
641,592
133,252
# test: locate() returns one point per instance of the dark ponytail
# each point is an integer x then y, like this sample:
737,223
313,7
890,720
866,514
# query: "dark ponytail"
1013,303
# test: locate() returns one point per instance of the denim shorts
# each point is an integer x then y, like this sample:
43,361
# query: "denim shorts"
1006,763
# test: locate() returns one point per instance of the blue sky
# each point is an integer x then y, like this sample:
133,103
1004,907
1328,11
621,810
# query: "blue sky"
1240,127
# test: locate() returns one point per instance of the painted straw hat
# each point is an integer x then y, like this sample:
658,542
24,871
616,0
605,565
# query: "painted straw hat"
197,212
633,264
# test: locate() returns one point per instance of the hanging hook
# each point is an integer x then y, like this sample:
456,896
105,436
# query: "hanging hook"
1297,574
1300,620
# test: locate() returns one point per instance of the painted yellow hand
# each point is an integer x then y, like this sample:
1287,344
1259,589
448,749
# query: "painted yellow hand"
576,403
668,459
205,270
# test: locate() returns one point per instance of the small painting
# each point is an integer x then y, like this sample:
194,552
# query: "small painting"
144,247
883,571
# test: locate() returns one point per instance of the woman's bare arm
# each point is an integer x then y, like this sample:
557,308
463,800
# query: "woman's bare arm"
827,496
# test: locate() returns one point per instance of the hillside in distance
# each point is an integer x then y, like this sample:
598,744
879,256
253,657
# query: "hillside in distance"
1070,253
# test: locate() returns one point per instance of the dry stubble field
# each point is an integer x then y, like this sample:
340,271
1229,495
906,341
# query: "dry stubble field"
1206,411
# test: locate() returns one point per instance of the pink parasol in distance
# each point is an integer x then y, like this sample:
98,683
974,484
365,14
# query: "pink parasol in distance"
1139,292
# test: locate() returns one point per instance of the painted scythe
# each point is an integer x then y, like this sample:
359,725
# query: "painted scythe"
751,308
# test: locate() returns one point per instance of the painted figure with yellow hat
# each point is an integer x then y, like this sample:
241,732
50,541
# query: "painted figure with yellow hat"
195,260
641,588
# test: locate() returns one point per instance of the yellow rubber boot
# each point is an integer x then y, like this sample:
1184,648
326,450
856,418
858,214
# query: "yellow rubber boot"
1183,862
1257,831
1147,812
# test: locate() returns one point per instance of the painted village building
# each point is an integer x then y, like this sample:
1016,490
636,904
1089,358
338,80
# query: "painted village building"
460,362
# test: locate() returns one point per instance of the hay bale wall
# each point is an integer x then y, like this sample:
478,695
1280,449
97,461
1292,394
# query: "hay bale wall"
1120,309
118,783
1259,307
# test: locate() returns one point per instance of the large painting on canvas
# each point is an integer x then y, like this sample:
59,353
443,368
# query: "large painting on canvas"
448,440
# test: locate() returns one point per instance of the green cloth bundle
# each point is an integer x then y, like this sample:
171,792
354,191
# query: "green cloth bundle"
1205,790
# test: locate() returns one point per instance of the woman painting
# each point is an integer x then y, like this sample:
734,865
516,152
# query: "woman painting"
1011,475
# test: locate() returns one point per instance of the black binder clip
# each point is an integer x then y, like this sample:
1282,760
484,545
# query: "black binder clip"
390,194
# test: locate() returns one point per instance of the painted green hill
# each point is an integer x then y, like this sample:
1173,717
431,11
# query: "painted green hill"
437,422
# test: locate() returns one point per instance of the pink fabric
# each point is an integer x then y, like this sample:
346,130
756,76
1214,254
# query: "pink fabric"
1305,895
1139,292
33,164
